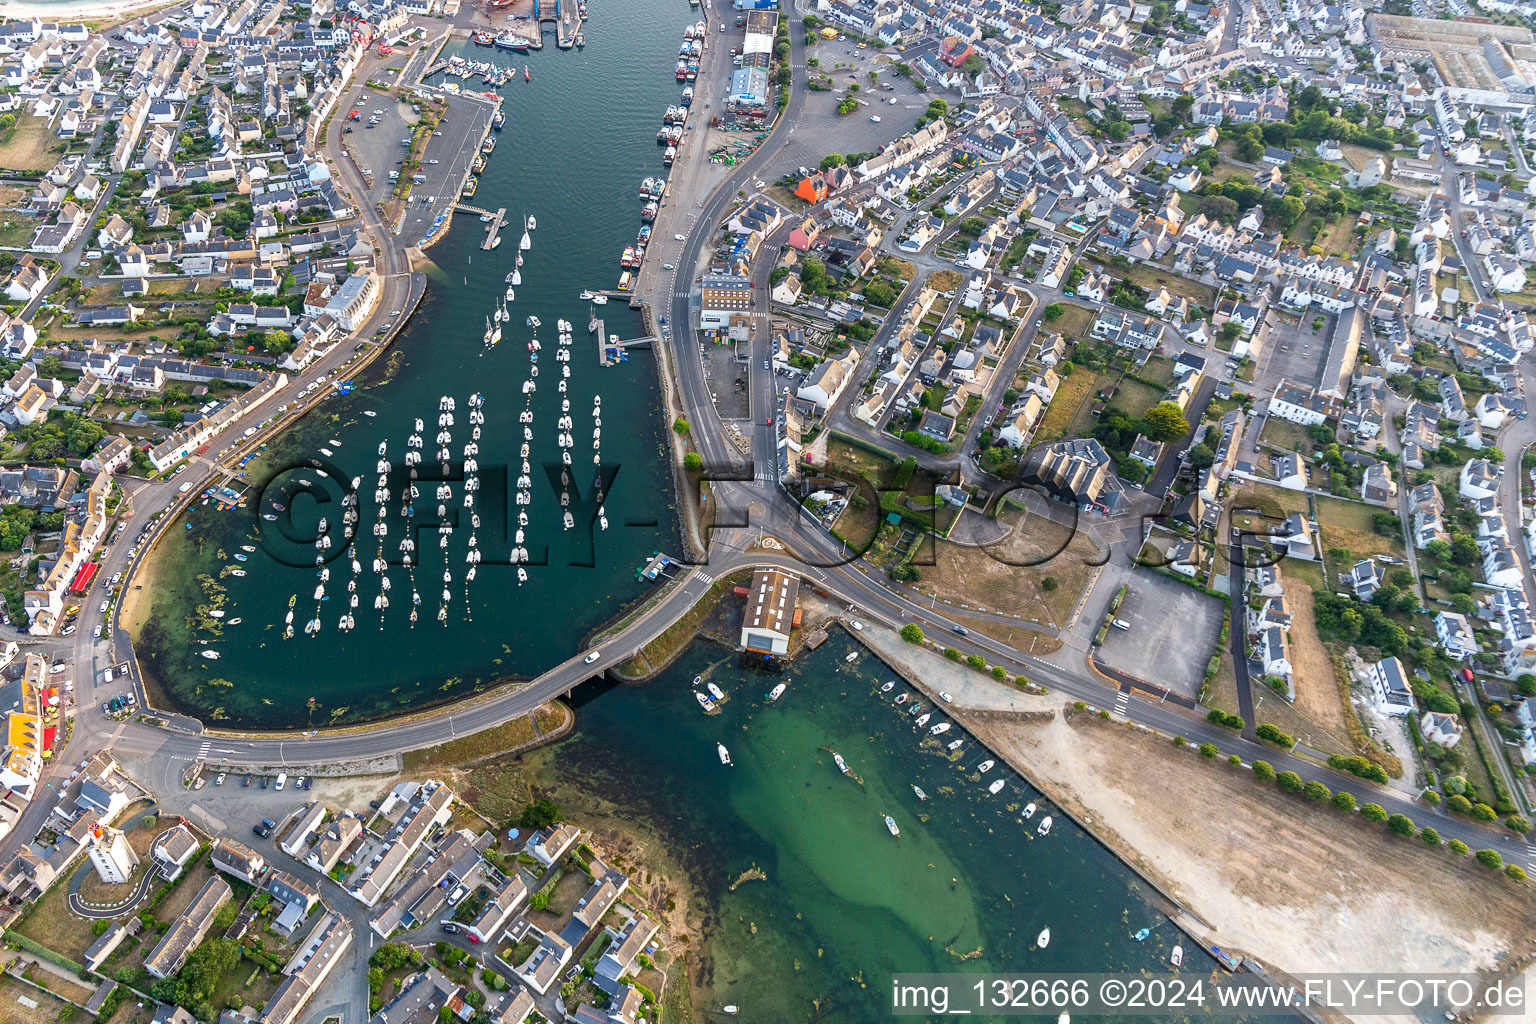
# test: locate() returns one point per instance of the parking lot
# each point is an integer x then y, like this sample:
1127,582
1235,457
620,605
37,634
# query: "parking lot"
453,146
1173,633
820,129
1294,351
377,150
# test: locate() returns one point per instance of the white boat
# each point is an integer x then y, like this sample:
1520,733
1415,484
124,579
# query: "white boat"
703,700
725,755
901,698
212,655
730,1009
1045,826
600,300
237,572
985,766
715,691
842,765
852,656
890,824
997,786
216,613
919,791
922,719
777,692
939,730
524,243
888,686
1177,956
1029,812
1044,938
532,224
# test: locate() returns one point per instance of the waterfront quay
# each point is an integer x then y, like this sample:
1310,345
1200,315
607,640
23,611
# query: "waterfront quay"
521,22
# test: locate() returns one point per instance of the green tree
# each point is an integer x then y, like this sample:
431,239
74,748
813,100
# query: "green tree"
1263,771
1315,790
880,293
912,633
1490,859
1165,422
680,426
1430,836
693,462
1457,846
51,366
1053,311
540,814
832,160
1515,872
1289,781
7,122
1201,457
1208,750
1231,329
1400,824
1373,812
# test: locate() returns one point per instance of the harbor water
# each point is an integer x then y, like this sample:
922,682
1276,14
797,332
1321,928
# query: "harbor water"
579,139
842,905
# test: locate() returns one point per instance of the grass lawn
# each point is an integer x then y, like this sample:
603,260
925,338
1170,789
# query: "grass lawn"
1287,435
1272,502
858,523
1009,577
1134,398
1301,231
1158,370
851,462
1153,277
1073,392
486,744
1020,638
249,984
1073,322
1338,238
29,146
1347,524
38,1008
51,923
16,229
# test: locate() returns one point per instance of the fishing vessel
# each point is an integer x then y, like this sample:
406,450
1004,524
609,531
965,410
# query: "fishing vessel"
725,755
715,691
704,701
777,692
890,825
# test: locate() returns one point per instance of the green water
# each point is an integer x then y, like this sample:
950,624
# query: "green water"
845,904
580,138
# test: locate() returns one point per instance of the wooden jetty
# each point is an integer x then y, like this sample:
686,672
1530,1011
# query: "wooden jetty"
493,229
610,351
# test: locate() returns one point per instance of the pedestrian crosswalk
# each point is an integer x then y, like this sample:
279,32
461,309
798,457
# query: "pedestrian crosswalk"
703,577
202,751
1122,701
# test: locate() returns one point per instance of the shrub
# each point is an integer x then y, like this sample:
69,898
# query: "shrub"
1515,823
951,654
999,673
912,633
1180,741
1430,836
1208,750
1226,720
976,661
1359,767
1263,771
1432,798
1373,812
1289,781
1515,871
1275,736
1490,859
1315,790
1484,813
1235,761
1401,824
1457,846
1458,804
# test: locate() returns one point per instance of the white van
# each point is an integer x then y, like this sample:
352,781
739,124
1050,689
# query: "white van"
184,488
282,779
1120,624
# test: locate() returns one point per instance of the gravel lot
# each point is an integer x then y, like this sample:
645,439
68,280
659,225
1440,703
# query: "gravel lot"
1172,636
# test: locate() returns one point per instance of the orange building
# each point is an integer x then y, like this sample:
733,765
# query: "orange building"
813,189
